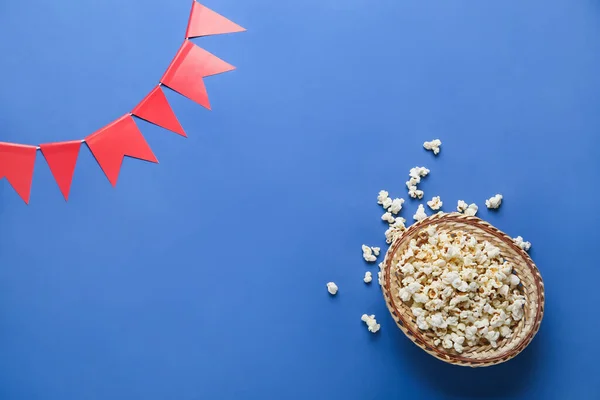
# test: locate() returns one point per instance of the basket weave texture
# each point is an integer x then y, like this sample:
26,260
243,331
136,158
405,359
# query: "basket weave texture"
473,356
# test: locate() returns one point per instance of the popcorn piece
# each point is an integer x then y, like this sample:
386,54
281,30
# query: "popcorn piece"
396,206
494,202
420,214
387,203
418,172
519,241
471,210
382,196
414,193
435,203
387,217
368,277
371,322
368,254
434,146
332,288
376,250
462,206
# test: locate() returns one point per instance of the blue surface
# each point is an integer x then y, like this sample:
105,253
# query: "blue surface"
204,277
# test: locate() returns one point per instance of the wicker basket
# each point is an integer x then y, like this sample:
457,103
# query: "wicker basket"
481,355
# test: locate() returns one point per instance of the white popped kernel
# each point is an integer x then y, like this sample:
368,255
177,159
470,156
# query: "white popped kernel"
519,241
414,193
434,146
471,210
376,250
368,277
494,202
332,288
387,203
435,203
420,214
462,206
416,174
387,217
368,254
396,206
371,322
382,196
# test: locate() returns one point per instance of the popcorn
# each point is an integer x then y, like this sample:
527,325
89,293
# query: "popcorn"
471,210
387,203
460,289
382,196
462,206
420,214
371,322
414,193
368,253
519,241
376,251
396,206
387,217
332,288
368,277
494,202
416,174
434,146
395,230
435,203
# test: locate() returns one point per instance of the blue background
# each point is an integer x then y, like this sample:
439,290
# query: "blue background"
204,277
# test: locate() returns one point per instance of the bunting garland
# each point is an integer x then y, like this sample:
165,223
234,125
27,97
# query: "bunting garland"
122,137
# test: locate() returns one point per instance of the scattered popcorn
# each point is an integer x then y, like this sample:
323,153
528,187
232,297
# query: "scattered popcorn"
368,253
434,146
416,174
435,203
387,217
460,289
414,193
471,210
387,203
368,277
462,206
396,206
519,241
371,322
376,251
494,202
332,288
420,214
382,196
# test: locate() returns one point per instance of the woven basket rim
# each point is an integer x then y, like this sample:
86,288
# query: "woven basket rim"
413,332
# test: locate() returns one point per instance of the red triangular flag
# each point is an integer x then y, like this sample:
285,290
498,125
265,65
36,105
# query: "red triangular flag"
61,158
16,165
155,108
187,69
113,142
204,21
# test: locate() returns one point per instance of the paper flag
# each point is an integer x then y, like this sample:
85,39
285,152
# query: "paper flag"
204,21
113,142
155,108
61,158
16,165
187,69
